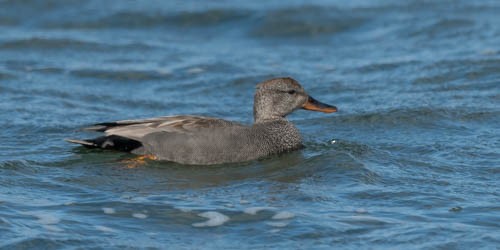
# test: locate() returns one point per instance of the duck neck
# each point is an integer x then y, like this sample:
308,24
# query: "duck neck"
263,110
258,119
279,135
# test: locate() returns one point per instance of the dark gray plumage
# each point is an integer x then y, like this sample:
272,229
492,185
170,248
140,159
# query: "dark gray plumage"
204,140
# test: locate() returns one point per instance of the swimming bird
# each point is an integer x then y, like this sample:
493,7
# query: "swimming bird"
200,140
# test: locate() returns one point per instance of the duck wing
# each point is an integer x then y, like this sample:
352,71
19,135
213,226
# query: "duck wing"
129,135
137,129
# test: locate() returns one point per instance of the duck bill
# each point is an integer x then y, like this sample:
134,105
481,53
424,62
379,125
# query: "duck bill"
315,105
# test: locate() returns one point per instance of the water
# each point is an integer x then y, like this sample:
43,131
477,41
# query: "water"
411,160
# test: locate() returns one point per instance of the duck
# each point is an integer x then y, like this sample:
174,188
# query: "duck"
200,140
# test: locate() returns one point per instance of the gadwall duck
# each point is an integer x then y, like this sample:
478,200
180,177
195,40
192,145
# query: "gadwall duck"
202,140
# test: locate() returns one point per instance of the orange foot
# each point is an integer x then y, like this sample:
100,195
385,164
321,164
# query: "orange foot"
139,160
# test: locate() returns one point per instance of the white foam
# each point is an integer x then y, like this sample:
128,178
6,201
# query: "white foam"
283,215
195,70
108,210
255,210
139,215
47,219
104,229
214,219
360,211
164,71
244,201
277,224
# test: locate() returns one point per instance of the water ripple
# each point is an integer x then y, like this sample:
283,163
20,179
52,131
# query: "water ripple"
306,21
409,161
417,116
141,20
42,43
120,75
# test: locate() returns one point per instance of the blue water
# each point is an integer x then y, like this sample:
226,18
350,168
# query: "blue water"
411,160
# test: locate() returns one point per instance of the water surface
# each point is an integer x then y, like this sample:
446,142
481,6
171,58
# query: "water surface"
411,160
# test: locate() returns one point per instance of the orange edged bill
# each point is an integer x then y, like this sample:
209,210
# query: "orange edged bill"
315,105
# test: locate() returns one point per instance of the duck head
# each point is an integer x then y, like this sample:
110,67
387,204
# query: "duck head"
276,98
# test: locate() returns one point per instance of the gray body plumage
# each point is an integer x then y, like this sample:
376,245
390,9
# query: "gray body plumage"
203,140
223,144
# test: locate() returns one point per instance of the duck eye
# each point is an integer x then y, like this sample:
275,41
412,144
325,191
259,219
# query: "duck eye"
291,92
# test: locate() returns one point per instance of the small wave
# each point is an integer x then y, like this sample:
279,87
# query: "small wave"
283,215
417,116
34,242
108,98
108,210
139,215
17,164
448,27
277,223
48,70
41,43
463,64
458,71
255,210
46,218
214,219
120,75
29,66
104,102
38,92
131,20
384,66
104,229
6,76
477,116
8,21
308,21
208,18
391,117
46,43
355,149
367,220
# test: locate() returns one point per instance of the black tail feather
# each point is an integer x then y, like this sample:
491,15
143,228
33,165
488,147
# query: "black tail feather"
102,127
113,142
